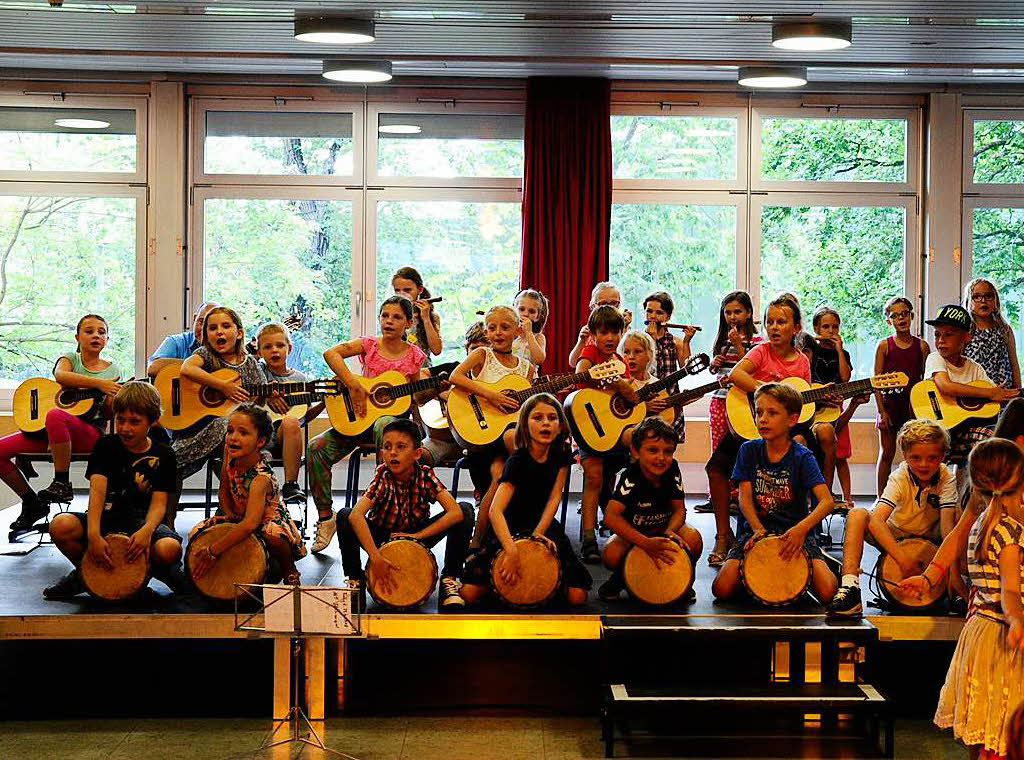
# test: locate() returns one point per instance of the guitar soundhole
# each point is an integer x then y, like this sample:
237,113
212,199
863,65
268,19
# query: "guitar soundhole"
62,401
210,397
620,407
381,395
970,404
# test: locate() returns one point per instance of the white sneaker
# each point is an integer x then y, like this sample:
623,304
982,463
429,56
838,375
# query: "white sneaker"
448,596
325,530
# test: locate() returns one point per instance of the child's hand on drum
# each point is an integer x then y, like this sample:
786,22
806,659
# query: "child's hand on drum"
661,549
914,586
758,535
547,542
792,543
381,568
202,562
509,567
138,544
99,550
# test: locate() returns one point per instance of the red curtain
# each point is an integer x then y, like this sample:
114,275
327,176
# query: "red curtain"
567,198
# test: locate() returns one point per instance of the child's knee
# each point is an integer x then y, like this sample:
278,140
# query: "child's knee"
692,540
166,551
472,593
613,553
826,434
727,581
65,527
824,580
289,427
857,515
576,597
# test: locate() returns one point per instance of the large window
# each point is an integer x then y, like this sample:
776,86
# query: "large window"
270,258
467,252
674,147
68,139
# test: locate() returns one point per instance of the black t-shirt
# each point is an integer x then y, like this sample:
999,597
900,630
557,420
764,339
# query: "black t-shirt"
533,482
648,506
132,478
825,363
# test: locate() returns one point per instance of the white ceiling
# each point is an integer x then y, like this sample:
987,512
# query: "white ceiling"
893,41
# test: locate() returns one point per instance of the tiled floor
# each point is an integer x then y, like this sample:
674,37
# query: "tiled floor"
414,738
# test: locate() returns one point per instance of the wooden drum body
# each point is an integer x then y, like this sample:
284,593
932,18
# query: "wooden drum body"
414,580
245,562
888,573
772,580
124,581
540,574
648,583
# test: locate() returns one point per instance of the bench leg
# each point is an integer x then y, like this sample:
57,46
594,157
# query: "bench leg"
607,733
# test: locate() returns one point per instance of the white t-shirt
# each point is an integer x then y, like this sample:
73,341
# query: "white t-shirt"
916,505
969,372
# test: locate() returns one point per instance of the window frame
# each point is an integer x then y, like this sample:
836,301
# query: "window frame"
138,104
374,197
674,110
970,205
194,277
989,189
200,106
449,107
912,154
95,190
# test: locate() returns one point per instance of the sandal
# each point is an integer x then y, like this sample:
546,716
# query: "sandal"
718,556
293,578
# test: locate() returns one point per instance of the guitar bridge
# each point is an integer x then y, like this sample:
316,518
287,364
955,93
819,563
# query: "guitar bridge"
349,409
934,401
478,412
176,396
34,404
593,419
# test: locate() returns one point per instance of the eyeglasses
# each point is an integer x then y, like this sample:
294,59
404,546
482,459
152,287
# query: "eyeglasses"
900,314
983,296
609,303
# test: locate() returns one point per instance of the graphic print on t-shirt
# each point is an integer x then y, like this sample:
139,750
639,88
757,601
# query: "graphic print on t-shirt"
773,490
143,469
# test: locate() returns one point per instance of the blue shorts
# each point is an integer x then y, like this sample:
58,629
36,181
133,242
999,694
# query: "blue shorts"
128,525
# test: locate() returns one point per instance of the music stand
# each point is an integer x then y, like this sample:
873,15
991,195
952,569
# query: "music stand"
327,613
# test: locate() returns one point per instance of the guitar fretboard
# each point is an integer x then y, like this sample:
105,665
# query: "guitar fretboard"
685,397
854,388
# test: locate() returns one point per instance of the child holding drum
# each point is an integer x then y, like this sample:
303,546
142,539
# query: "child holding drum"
133,474
524,504
647,509
250,499
919,501
396,504
776,475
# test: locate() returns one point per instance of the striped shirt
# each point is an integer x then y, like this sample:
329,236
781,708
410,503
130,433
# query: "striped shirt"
916,504
985,572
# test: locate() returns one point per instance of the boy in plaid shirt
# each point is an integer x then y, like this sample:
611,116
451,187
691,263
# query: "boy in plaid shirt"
397,503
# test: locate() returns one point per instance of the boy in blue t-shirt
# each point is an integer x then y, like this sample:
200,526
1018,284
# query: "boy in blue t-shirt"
776,476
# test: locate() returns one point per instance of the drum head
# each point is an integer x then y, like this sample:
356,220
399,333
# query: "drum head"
245,562
414,580
646,582
769,578
125,580
539,576
922,551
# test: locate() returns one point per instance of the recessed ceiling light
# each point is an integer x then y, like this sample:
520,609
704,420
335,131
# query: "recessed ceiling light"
400,129
361,72
812,36
773,77
81,123
333,30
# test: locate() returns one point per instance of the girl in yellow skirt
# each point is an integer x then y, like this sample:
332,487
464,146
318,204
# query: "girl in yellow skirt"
985,682
250,497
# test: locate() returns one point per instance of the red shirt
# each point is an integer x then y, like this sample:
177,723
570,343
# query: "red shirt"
591,354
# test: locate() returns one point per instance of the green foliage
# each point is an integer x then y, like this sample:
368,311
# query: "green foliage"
998,255
998,151
674,147
834,150
67,152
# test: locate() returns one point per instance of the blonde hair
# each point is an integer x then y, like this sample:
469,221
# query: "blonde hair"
500,307
271,328
789,397
644,338
922,431
140,398
997,313
996,468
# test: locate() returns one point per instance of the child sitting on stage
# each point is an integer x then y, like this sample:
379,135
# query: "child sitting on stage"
250,498
647,508
397,503
776,475
133,474
919,501
524,504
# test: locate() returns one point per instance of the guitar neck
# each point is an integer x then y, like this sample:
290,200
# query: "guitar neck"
285,389
685,397
551,386
416,386
651,389
297,399
846,390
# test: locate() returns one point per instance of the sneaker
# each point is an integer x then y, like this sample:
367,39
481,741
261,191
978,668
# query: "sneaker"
57,492
704,507
958,606
66,588
292,494
846,603
31,513
325,530
589,552
690,596
448,597
174,579
610,590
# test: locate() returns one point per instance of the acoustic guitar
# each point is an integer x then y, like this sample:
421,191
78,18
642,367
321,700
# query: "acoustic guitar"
38,395
739,405
186,402
474,421
597,417
949,411
387,394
